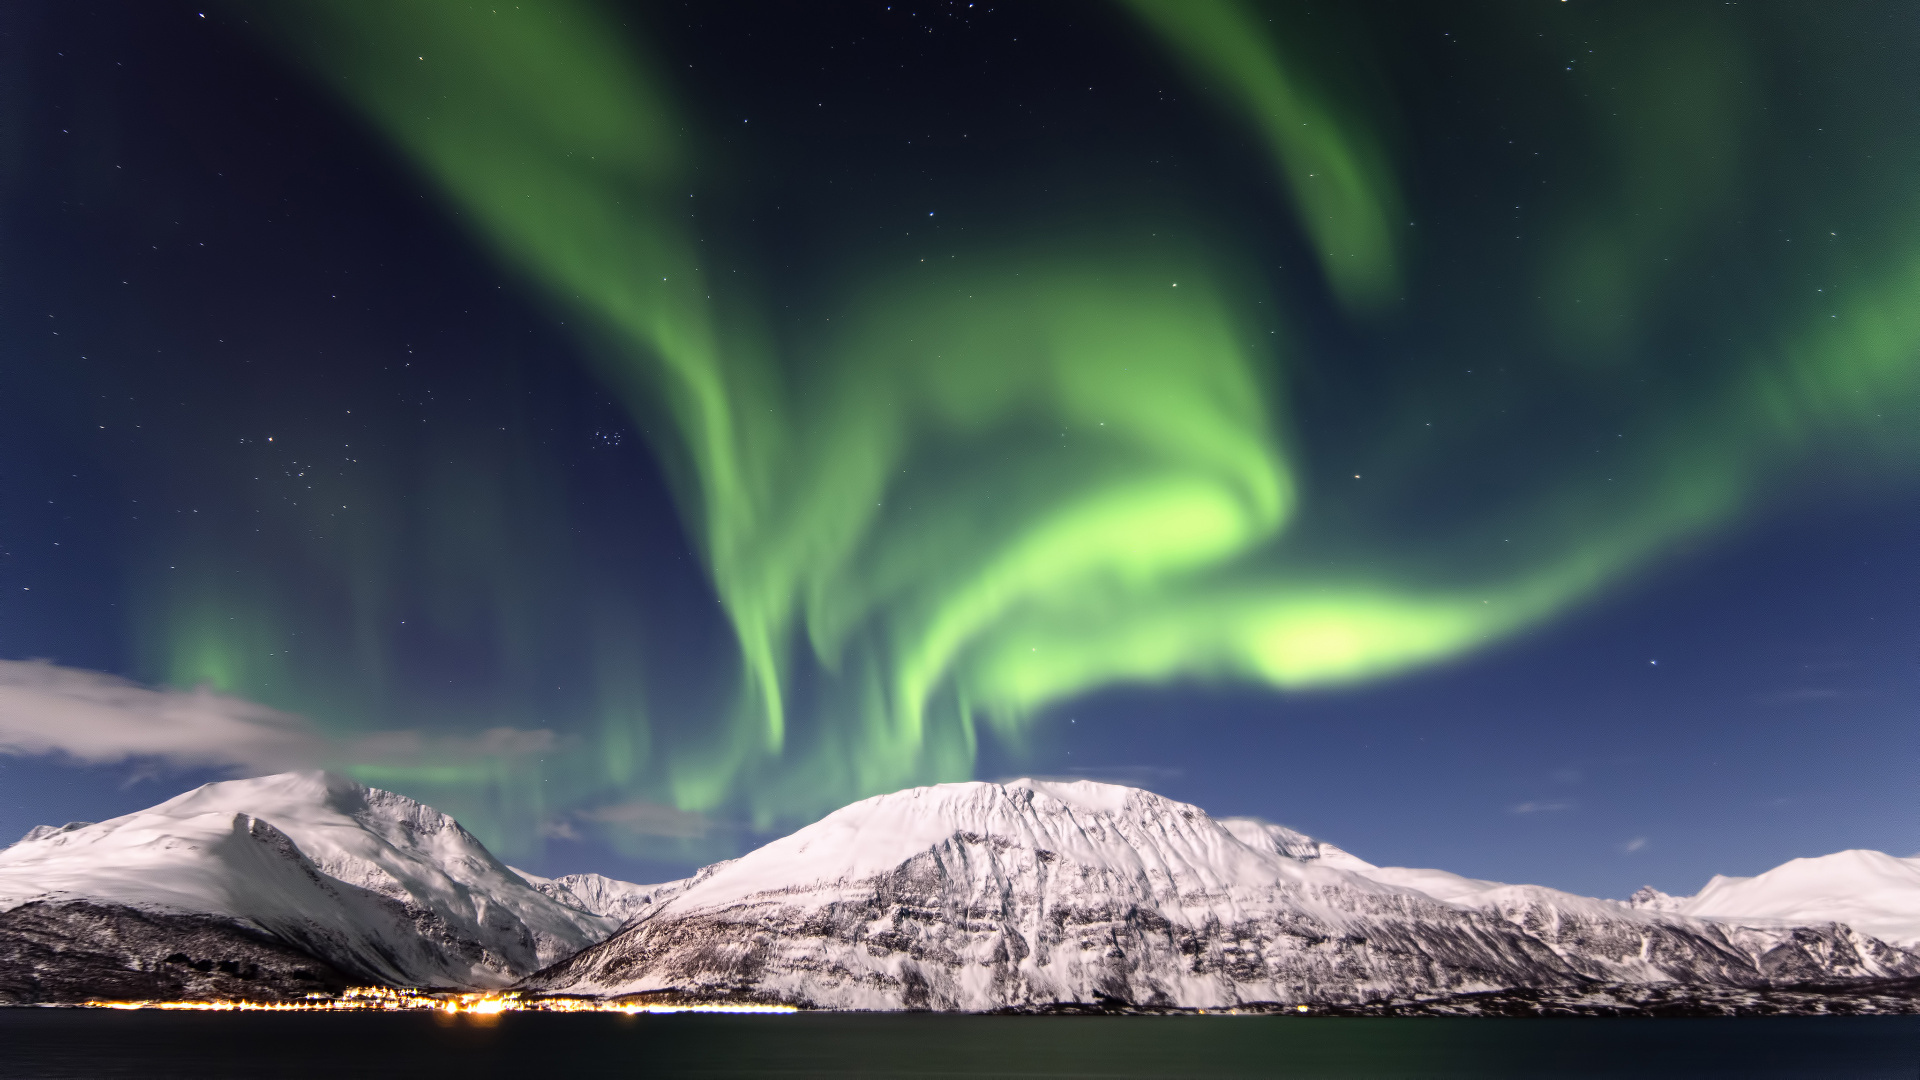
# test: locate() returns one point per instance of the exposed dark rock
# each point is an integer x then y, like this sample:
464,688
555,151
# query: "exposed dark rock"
82,951
1865,997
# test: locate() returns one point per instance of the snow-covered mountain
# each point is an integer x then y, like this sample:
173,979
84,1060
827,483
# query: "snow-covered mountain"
982,896
960,896
1298,846
602,895
1872,892
1608,941
41,832
371,883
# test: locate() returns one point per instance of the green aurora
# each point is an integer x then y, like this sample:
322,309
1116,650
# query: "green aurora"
1083,454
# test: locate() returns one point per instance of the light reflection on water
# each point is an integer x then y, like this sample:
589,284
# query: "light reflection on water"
486,1003
75,1043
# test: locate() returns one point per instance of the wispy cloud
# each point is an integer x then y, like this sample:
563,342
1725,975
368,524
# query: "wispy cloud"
559,829
1634,844
1538,807
98,719
646,819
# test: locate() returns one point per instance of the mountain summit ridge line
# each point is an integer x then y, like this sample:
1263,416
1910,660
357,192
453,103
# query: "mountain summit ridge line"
973,897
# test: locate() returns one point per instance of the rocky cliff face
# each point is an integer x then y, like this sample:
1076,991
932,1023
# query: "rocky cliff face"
80,951
986,896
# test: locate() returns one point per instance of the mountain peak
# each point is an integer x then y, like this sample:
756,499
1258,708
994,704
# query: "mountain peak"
41,832
1030,893
371,881
1266,836
982,895
1648,898
1870,891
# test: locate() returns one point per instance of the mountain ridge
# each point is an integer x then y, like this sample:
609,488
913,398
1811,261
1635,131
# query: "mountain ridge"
1027,896
983,896
370,882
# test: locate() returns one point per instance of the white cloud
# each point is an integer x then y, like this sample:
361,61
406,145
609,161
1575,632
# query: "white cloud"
559,829
648,819
1634,844
1539,807
99,719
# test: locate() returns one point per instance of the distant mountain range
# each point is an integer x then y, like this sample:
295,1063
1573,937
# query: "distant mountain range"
1028,895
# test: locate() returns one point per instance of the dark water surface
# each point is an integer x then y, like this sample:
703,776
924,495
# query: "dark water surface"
73,1043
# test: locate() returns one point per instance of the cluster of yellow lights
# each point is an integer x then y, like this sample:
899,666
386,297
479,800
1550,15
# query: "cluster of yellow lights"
386,999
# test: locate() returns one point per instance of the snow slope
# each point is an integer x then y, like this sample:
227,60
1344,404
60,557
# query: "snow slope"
371,882
959,896
41,832
1874,893
602,895
981,896
1648,941
1266,836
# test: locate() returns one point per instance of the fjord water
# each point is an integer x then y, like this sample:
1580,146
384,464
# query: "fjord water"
73,1043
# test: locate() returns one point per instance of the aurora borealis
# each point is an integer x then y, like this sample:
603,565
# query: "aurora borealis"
819,403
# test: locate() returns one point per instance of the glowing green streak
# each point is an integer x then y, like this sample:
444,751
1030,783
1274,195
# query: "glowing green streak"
218,636
1038,472
1137,447
1131,432
1346,199
1302,632
546,131
1670,103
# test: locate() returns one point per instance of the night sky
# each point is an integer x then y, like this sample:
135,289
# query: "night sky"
1481,435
